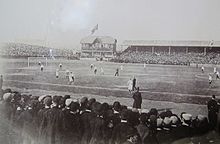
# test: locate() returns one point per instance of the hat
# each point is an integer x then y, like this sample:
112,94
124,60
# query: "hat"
144,110
48,101
174,119
201,117
153,118
42,97
66,97
166,120
84,100
33,103
68,102
159,122
56,99
187,117
97,107
7,96
74,106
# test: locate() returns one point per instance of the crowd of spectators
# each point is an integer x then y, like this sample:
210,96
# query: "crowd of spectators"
63,120
26,50
165,58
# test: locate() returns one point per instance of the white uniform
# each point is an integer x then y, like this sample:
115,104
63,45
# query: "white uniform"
130,85
60,65
210,79
71,78
144,65
41,67
217,75
215,70
67,73
121,67
57,73
203,69
102,71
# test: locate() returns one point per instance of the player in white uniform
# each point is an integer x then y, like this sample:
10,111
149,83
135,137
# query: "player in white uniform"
215,70
217,75
39,63
121,67
130,85
71,78
57,73
41,67
203,69
60,66
102,71
67,73
210,79
95,70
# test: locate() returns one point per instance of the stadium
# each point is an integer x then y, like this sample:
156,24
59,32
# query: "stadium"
109,72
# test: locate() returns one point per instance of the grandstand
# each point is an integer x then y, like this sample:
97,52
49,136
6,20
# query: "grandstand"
21,50
170,52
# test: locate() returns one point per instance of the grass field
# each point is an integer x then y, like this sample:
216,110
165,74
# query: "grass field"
179,84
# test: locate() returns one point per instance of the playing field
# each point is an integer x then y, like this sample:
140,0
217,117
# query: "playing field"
179,84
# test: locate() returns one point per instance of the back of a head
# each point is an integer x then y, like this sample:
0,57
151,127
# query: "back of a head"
117,106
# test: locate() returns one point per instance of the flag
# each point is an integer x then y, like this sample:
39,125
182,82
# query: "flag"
94,29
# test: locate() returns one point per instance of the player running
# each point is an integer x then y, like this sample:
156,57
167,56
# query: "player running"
102,71
130,85
95,70
117,72
57,73
210,79
203,69
91,66
67,73
121,67
217,75
214,70
60,66
41,67
71,78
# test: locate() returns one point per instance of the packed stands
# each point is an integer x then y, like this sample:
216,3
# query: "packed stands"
165,58
26,50
62,119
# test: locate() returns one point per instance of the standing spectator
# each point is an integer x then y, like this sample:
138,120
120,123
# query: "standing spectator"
137,99
130,85
212,112
134,84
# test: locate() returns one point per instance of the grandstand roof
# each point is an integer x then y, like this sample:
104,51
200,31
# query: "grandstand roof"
170,43
103,39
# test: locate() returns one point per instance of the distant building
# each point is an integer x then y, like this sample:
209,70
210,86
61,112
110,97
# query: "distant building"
98,46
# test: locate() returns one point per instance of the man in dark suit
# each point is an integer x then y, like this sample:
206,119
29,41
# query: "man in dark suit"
212,112
137,99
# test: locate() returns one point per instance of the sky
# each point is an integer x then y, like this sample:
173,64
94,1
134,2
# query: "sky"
63,23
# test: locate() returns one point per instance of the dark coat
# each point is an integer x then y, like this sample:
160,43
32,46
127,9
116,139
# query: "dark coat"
54,120
121,133
72,128
137,100
212,113
86,120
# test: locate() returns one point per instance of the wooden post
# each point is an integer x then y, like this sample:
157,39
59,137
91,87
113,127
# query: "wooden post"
205,51
169,50
152,49
187,50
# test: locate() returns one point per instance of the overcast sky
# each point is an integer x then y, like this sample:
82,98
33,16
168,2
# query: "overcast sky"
62,23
